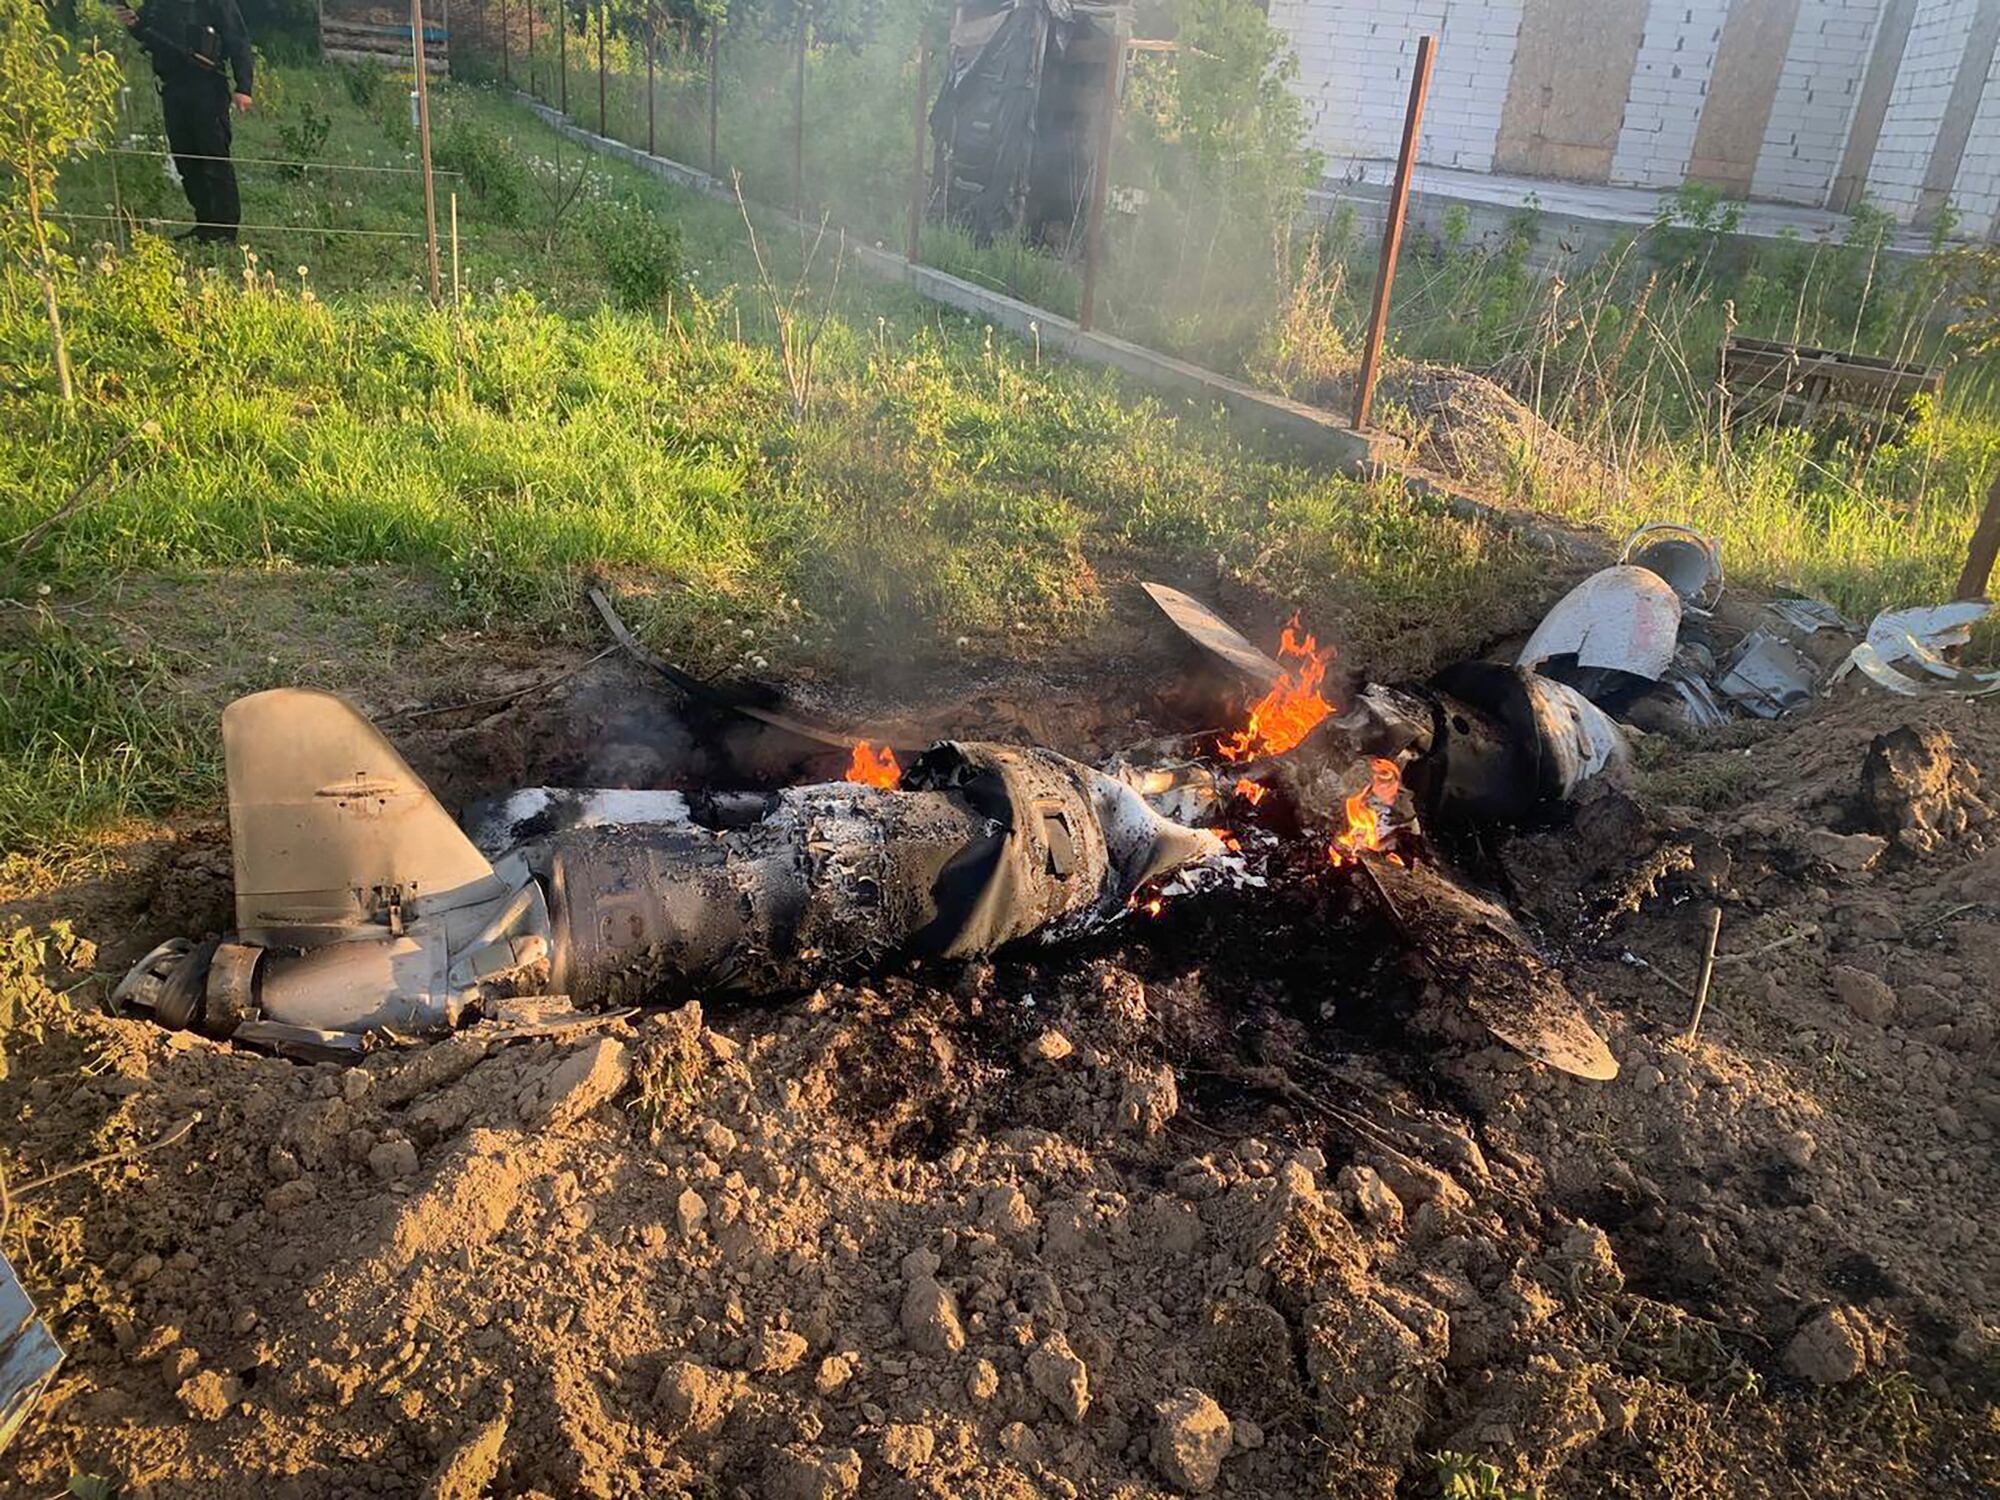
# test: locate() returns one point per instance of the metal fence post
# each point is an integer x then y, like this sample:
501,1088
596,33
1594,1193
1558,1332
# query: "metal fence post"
714,98
652,148
799,120
424,143
913,249
1392,233
1100,176
562,56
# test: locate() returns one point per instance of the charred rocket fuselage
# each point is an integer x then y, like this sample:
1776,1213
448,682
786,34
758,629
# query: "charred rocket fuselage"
363,908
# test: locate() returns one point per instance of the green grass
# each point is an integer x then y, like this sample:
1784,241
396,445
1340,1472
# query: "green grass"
317,429
1618,353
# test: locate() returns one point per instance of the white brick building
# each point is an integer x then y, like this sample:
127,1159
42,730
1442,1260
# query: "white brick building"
1817,103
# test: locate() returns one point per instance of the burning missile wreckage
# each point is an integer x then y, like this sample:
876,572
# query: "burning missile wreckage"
365,916
1322,913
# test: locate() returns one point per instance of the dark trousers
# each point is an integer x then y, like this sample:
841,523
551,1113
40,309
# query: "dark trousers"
197,115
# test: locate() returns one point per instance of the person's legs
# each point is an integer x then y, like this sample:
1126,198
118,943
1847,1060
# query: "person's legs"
225,206
182,118
198,131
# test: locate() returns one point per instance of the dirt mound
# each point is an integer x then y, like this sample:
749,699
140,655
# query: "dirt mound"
738,1268
1188,1209
1465,427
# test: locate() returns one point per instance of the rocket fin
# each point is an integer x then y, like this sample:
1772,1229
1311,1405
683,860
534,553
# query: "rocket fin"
333,835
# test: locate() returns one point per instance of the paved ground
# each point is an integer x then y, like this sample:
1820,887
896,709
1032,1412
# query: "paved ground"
1572,210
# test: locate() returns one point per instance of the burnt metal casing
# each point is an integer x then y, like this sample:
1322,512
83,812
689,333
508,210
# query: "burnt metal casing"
364,910
1509,744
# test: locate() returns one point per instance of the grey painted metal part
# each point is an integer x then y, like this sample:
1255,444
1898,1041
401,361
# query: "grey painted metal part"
1690,561
1767,676
1214,634
1690,678
1944,679
1581,738
1901,639
330,830
1809,616
1926,630
29,1354
1624,618
370,914
1510,743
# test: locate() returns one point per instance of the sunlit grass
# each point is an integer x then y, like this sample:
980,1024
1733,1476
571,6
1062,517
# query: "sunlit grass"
950,486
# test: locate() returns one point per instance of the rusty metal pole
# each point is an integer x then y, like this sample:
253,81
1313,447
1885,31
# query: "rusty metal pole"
424,144
714,99
913,247
1392,232
506,44
602,27
1985,546
652,148
1100,176
799,120
533,77
562,56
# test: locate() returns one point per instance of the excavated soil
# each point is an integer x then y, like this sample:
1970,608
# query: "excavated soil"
1220,1202
1466,427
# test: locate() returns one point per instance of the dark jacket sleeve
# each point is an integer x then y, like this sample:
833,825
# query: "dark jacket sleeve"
163,52
236,46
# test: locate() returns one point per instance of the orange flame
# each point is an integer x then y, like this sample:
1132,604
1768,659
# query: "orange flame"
1250,791
1365,810
872,767
1288,713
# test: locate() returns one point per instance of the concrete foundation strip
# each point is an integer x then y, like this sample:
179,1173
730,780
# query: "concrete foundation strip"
1313,431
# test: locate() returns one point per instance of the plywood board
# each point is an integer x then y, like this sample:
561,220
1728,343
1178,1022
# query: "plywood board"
1566,99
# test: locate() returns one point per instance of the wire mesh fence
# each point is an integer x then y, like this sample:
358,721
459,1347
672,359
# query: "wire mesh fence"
306,181
1149,185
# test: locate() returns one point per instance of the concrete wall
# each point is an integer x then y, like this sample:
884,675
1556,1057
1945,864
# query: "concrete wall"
1669,83
1469,86
1809,102
1976,191
1917,103
1355,58
1818,88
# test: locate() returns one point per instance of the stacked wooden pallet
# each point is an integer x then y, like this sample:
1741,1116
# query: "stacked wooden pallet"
381,34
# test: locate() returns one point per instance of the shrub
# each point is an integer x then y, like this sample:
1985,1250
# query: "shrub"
640,251
490,165
364,83
303,138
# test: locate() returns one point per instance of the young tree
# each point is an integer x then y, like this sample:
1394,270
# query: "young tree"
50,109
